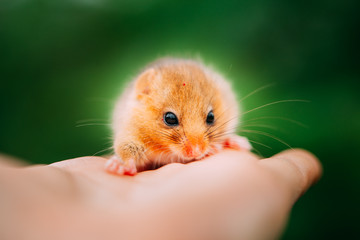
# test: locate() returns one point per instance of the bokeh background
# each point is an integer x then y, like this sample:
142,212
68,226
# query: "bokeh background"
64,62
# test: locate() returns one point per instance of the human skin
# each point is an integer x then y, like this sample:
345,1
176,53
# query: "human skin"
230,195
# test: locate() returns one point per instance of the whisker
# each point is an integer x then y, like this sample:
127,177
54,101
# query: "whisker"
260,143
268,135
221,125
168,136
258,152
281,118
260,125
177,133
92,124
257,90
228,131
101,151
276,102
219,118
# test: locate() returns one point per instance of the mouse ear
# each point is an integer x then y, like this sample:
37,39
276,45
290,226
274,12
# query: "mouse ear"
144,81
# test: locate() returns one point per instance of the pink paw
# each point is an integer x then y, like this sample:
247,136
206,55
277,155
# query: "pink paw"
114,166
238,143
215,149
130,168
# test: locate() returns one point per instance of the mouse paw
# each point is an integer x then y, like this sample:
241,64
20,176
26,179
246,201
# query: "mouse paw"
238,143
130,168
215,148
115,166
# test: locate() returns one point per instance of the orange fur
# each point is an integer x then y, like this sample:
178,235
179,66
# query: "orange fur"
186,88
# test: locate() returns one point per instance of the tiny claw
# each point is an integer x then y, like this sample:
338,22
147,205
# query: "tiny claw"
120,170
130,168
115,166
112,165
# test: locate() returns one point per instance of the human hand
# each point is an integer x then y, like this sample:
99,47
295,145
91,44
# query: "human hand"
230,195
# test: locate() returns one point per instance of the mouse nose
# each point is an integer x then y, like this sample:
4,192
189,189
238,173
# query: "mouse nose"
193,150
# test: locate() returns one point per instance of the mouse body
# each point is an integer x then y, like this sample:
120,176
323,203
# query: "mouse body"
175,110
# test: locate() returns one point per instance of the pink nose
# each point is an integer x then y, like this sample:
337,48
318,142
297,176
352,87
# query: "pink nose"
192,150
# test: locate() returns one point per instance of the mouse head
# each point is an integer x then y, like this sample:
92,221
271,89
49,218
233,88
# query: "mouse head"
186,109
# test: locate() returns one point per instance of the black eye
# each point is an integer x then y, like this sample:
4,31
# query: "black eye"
170,119
210,118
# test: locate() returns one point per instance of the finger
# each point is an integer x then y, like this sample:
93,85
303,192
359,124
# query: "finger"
88,163
296,168
90,174
92,166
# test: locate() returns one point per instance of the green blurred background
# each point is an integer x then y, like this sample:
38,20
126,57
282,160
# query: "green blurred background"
63,63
